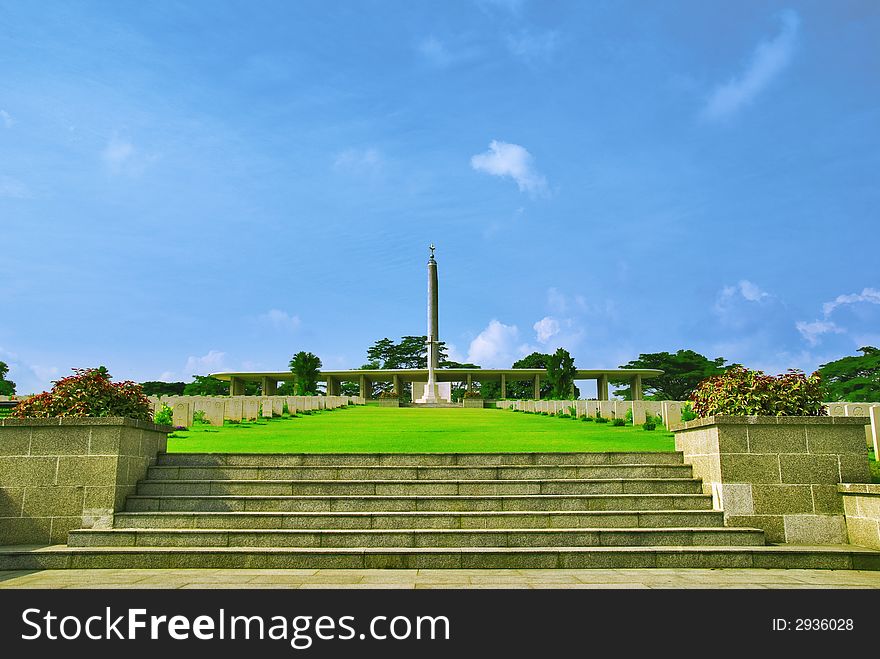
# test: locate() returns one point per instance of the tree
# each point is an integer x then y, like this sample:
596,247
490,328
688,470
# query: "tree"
305,367
158,388
526,389
855,378
682,372
7,387
205,385
560,374
410,352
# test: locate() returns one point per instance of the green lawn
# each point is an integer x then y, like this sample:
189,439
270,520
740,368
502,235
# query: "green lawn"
411,430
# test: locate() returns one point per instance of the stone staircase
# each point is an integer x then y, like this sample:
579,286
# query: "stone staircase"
512,510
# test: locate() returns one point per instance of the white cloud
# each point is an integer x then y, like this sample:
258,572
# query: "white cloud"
546,329
497,346
768,60
745,290
751,292
513,160
28,378
869,295
812,331
453,354
280,320
11,188
6,119
166,376
532,47
117,154
210,363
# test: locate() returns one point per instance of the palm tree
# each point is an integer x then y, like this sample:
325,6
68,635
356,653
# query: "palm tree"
304,366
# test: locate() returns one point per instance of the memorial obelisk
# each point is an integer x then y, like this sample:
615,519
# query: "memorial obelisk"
430,395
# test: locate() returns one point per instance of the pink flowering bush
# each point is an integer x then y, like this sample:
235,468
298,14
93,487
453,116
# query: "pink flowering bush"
88,393
742,392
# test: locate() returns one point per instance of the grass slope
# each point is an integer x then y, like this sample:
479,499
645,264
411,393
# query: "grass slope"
412,430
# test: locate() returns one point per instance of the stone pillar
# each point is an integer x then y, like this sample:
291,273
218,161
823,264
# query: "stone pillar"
395,385
602,387
470,382
332,386
270,386
366,388
537,387
236,386
636,387
503,386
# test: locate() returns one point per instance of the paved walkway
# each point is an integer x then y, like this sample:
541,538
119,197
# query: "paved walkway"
409,579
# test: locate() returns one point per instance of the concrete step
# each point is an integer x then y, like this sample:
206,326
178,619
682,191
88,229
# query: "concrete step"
422,520
500,472
414,459
785,556
423,487
543,502
416,538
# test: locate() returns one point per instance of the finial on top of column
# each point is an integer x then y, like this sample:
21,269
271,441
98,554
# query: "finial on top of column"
432,248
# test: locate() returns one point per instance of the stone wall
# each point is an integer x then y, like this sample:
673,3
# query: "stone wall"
63,474
779,474
861,503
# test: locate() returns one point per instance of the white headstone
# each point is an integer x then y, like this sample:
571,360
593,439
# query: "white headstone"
181,415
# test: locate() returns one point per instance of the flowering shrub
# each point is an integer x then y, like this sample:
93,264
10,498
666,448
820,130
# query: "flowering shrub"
389,394
89,392
742,392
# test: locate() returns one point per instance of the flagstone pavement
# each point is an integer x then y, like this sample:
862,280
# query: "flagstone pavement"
410,579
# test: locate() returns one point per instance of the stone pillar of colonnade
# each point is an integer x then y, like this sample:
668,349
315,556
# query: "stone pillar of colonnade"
236,386
537,387
366,388
636,387
332,386
269,386
602,387
503,386
470,382
395,384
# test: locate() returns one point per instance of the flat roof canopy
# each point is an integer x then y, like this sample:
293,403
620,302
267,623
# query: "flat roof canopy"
444,374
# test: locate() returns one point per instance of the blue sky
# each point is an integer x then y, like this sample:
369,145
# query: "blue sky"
198,186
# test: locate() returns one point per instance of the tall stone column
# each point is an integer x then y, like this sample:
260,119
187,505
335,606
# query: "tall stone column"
503,386
636,387
395,384
236,386
433,330
269,386
537,387
366,387
602,387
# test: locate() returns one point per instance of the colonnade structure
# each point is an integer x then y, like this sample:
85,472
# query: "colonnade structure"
433,374
365,378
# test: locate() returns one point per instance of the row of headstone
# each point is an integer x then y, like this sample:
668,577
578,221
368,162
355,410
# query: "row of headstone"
216,409
869,410
669,410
